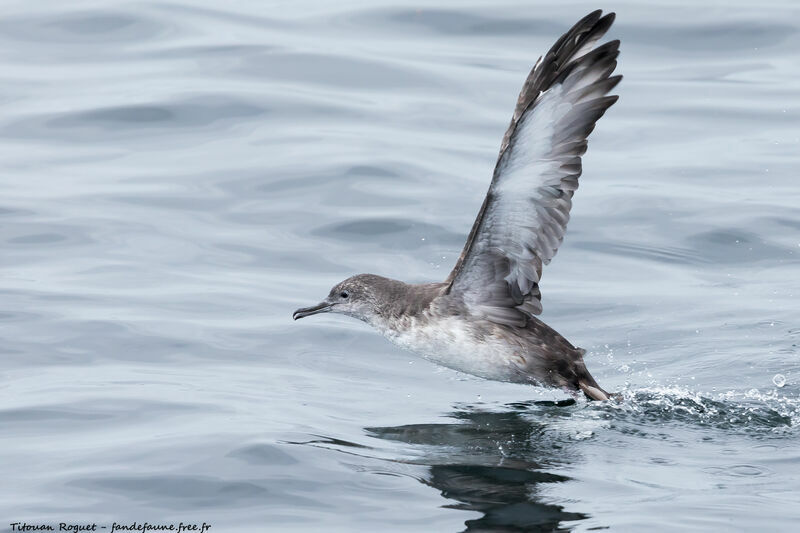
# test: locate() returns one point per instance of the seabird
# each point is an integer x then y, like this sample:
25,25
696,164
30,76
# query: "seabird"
482,319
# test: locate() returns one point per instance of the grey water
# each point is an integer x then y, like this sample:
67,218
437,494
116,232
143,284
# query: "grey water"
177,177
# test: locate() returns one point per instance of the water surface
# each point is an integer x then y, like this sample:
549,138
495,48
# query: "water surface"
178,177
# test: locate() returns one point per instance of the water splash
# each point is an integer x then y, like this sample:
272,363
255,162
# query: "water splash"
752,411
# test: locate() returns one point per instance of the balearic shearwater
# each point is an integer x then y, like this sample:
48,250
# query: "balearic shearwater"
481,319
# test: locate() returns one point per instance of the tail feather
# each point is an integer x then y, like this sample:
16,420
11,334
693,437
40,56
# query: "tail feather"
587,383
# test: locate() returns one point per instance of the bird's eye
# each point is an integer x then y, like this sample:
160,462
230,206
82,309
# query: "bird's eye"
344,294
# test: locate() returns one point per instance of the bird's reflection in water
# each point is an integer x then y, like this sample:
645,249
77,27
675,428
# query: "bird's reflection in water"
494,463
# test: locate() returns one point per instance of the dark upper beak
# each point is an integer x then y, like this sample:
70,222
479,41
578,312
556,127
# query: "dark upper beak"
322,307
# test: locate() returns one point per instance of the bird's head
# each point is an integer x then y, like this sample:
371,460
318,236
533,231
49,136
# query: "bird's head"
359,296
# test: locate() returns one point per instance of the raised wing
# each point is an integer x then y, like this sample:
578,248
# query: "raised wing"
524,216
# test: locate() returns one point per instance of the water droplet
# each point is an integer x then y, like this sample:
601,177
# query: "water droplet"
779,380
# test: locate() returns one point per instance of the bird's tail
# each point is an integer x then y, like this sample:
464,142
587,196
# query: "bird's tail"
586,382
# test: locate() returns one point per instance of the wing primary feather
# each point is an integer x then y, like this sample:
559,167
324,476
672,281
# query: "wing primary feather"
523,218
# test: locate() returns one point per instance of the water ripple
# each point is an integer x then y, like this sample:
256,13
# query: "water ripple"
106,27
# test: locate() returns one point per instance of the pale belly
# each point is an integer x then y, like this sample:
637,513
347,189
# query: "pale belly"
452,343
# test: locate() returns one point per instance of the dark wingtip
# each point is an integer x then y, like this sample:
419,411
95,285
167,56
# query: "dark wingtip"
593,16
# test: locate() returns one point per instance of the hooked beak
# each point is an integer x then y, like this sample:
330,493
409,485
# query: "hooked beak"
322,307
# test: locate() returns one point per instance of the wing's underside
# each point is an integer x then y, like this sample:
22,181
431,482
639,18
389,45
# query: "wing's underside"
524,216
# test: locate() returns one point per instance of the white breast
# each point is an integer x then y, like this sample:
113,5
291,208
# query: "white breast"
452,342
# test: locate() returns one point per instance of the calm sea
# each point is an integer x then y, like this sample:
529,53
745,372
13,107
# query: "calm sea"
177,177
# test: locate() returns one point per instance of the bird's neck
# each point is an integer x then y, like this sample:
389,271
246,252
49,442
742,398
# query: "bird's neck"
405,303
